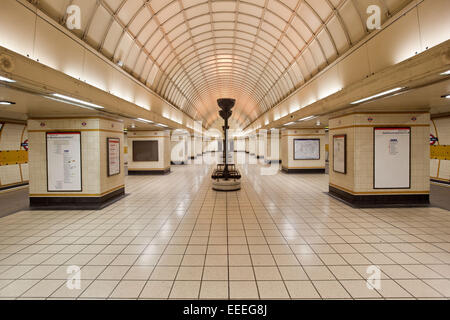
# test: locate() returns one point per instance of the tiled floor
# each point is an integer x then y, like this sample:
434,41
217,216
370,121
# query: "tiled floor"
280,237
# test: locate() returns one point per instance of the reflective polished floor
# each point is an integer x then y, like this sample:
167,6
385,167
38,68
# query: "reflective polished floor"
280,237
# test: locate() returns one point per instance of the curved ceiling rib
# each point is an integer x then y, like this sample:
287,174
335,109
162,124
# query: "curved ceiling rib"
192,52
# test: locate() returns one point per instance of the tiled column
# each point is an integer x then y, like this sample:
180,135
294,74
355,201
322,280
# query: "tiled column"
98,186
359,184
292,164
261,145
161,164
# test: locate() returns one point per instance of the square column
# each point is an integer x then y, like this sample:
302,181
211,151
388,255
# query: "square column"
380,159
273,154
75,163
261,145
303,150
149,152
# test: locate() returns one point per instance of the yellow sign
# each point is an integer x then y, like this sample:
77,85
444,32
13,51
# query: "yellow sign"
12,157
440,152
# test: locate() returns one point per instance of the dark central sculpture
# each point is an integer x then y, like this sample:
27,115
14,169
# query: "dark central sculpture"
226,177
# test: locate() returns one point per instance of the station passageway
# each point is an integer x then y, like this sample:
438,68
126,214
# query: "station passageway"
280,237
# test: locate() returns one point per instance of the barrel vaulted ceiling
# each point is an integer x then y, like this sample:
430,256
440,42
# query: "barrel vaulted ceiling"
192,52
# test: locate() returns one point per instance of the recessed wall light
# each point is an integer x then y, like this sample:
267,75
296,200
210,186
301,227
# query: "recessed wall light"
7,103
6,79
446,96
82,102
384,93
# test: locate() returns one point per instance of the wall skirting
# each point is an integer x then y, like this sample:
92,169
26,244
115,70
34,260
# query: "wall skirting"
380,200
76,203
303,170
148,172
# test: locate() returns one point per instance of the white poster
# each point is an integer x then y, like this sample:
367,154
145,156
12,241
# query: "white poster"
113,156
64,161
307,149
339,149
392,158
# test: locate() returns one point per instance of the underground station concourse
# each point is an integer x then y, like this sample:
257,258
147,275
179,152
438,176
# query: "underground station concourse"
225,150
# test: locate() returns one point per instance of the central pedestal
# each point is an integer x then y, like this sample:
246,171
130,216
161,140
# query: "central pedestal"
226,177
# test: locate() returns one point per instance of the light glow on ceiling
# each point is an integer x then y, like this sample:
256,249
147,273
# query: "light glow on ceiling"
384,93
6,79
82,102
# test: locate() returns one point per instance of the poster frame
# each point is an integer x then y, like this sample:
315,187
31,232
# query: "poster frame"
374,157
107,156
345,153
81,160
310,139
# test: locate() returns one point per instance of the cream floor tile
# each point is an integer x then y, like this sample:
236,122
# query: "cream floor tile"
190,273
345,273
331,290
114,273
358,289
43,289
185,290
440,285
419,289
164,273
318,273
391,289
156,290
16,288
100,289
241,273
292,273
139,273
302,290
272,290
64,292
127,290
243,290
215,273
267,273
214,290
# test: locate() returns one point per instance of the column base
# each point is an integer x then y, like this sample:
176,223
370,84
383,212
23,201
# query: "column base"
380,201
143,172
178,163
273,161
76,203
304,170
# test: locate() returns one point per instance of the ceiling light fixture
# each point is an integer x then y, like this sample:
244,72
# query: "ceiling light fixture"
446,73
446,96
307,118
7,103
289,123
144,120
6,79
82,102
162,125
385,93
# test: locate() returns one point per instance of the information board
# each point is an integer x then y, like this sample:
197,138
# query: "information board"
64,161
307,149
113,145
392,157
340,154
145,150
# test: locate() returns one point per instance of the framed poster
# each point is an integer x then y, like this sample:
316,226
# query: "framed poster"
113,152
64,162
392,158
306,149
340,153
145,150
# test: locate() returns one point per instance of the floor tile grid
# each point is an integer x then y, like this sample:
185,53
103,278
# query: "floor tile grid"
117,236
